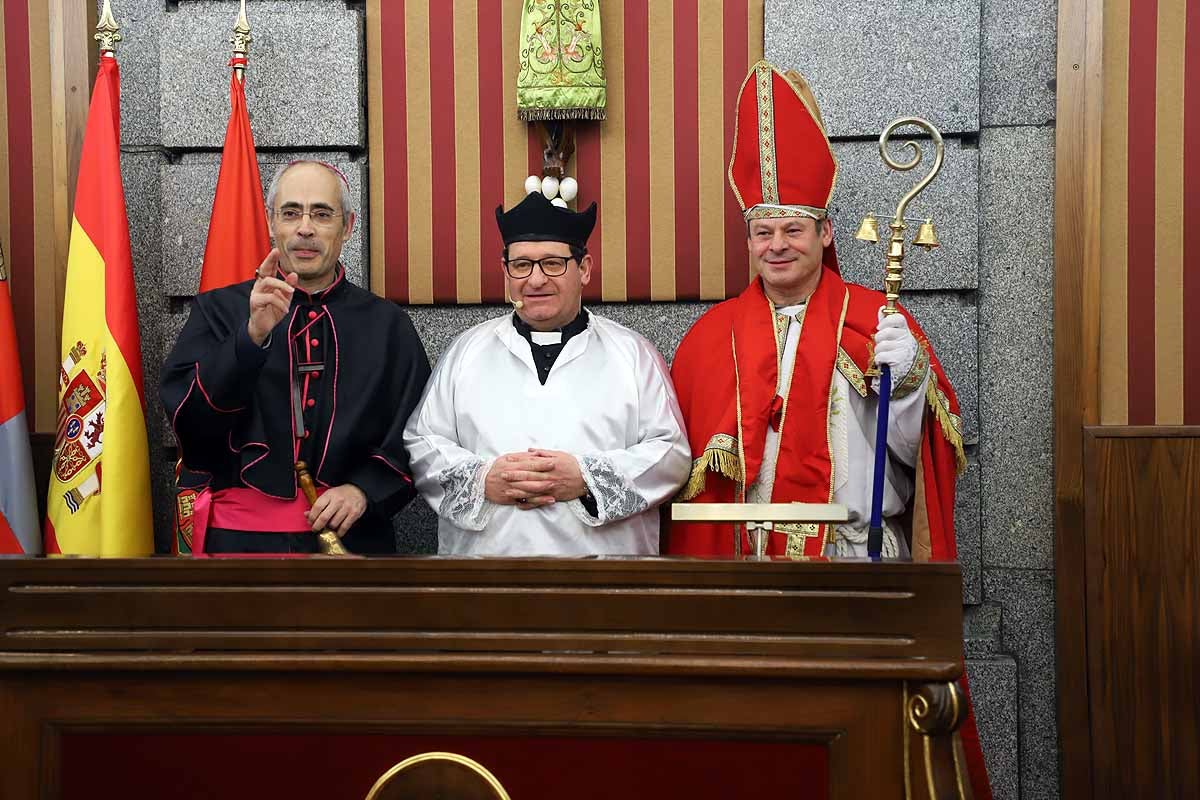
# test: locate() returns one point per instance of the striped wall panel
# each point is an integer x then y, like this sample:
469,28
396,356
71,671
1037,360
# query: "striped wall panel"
37,122
446,148
1150,250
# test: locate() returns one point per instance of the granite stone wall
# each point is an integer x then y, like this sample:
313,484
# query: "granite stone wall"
981,70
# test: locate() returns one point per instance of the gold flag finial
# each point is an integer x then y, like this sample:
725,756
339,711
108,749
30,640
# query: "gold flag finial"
107,32
241,41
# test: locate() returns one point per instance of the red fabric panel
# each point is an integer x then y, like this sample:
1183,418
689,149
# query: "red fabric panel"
148,766
1191,208
493,50
1143,46
687,150
735,29
444,213
637,151
587,172
395,147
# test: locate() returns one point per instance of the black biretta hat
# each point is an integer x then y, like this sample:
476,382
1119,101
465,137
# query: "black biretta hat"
536,219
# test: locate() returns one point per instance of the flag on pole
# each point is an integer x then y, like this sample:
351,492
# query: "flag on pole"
18,503
99,496
237,243
237,231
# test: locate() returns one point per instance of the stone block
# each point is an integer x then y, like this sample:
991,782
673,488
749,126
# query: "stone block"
966,530
867,186
173,321
1018,62
869,63
438,326
141,23
187,189
139,178
951,323
664,324
981,631
1016,346
416,529
1027,632
304,85
994,697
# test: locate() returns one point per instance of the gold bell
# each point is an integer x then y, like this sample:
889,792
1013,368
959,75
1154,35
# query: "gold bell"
868,231
926,237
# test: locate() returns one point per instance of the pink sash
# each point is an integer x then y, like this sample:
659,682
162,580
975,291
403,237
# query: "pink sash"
241,509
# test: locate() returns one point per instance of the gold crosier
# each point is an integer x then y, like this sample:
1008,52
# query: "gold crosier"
926,237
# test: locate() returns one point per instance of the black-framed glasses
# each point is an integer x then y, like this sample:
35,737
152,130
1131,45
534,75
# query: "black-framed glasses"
552,266
321,217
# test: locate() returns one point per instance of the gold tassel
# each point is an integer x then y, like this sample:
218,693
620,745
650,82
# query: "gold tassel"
949,430
719,461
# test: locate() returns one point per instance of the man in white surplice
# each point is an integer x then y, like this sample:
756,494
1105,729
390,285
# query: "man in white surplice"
550,431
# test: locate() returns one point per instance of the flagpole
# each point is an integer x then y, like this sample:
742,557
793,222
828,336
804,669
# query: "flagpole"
108,33
241,43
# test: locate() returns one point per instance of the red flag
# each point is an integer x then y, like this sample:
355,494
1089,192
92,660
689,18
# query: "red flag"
18,504
237,232
237,244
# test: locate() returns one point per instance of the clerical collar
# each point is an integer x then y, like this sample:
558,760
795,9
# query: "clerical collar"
322,295
791,311
545,346
557,336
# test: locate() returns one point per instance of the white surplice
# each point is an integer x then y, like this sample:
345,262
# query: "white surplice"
608,401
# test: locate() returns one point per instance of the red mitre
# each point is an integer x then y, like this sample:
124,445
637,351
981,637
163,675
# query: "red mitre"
782,164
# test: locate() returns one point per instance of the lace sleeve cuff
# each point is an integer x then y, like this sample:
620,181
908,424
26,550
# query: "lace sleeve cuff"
615,496
463,501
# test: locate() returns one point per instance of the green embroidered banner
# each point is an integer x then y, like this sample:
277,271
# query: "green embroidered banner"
562,63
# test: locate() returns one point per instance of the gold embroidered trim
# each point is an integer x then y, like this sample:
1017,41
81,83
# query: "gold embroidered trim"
763,211
739,488
798,534
916,373
720,456
951,423
782,321
766,132
851,372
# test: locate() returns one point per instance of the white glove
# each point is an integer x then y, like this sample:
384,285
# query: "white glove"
895,346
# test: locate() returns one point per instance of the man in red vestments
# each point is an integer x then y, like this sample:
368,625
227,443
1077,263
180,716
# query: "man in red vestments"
774,384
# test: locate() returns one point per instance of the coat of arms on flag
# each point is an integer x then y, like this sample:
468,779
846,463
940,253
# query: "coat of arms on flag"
80,425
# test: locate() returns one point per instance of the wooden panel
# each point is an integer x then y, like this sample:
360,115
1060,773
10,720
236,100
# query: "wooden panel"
1142,492
795,618
783,651
1076,356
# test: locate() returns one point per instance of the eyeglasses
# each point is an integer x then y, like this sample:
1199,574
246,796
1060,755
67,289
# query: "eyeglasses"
321,217
552,266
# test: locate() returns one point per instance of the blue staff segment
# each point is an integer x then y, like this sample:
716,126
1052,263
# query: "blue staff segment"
875,534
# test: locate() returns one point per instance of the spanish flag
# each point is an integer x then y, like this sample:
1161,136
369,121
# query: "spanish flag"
238,241
99,498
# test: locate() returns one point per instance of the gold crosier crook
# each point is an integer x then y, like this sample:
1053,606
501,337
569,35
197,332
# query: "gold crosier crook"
926,237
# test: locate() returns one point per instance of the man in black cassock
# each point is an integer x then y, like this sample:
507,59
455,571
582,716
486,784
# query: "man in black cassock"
297,364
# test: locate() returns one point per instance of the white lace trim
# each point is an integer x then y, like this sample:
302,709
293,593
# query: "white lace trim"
463,501
616,498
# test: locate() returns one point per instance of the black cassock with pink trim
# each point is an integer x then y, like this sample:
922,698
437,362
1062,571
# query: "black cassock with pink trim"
333,386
